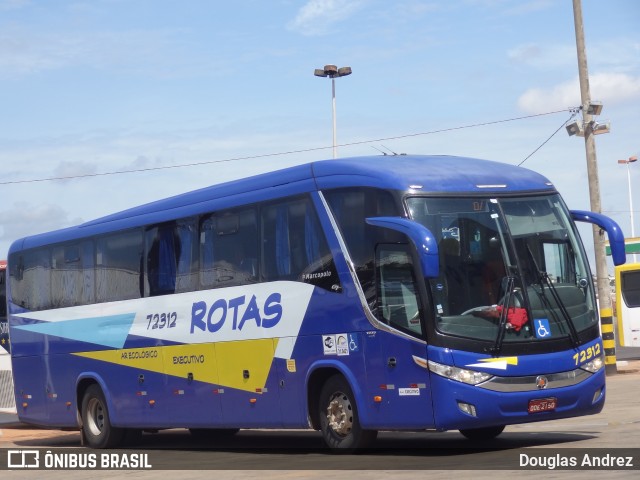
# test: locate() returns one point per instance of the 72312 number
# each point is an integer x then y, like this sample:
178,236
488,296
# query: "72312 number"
161,320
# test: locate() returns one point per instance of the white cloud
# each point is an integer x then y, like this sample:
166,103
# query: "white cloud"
609,88
618,54
66,169
163,52
542,56
540,100
25,218
615,87
317,17
524,53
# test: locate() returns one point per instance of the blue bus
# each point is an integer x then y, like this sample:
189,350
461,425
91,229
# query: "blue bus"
347,296
7,404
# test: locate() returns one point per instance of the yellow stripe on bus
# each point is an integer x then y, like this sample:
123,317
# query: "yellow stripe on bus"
243,365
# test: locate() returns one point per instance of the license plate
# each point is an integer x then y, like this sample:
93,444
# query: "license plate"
542,405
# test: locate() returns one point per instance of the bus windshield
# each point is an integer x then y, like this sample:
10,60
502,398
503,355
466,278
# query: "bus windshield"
511,269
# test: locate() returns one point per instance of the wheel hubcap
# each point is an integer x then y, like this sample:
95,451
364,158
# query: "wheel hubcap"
340,414
95,416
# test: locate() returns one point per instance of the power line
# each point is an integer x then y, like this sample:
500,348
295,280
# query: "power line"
573,114
290,152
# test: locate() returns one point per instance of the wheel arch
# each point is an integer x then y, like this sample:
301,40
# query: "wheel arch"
317,375
85,380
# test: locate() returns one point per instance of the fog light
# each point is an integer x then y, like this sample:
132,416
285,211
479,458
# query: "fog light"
597,395
467,408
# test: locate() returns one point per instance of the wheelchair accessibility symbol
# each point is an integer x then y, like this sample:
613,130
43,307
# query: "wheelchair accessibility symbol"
542,327
353,345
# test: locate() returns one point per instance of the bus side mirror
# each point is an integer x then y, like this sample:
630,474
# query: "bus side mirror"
421,237
614,232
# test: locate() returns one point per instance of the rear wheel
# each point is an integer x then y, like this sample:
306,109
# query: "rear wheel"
96,423
339,420
486,433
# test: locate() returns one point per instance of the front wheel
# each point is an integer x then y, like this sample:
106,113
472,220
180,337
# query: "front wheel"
339,421
486,433
96,423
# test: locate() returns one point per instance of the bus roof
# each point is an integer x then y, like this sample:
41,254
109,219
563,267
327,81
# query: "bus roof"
419,173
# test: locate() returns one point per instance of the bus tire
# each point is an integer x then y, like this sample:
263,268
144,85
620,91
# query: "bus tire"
486,433
96,423
339,422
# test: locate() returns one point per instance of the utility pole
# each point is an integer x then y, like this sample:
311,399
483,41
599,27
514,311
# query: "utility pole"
602,277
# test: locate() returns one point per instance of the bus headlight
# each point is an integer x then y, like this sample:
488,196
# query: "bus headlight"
594,365
459,374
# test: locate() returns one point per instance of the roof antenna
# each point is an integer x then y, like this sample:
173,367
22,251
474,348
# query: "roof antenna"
387,148
382,152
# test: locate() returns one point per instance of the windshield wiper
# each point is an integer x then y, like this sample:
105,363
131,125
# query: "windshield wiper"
502,322
567,317
544,277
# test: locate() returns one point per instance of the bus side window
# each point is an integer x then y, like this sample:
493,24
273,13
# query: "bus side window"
171,258
162,253
187,233
229,249
294,246
15,276
35,280
350,208
398,302
118,262
207,231
66,276
88,273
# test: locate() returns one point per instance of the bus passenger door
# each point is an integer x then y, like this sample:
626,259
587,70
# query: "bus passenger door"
407,394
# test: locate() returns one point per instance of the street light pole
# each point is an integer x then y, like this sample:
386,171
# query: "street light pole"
333,72
333,115
602,276
628,162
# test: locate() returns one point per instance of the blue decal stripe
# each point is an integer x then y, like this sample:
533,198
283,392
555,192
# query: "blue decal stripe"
110,331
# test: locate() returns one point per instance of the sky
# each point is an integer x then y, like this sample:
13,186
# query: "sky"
186,94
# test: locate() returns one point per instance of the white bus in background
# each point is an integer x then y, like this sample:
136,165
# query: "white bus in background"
628,304
7,401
